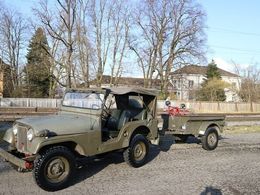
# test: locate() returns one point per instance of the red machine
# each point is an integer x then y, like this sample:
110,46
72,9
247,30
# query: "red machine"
176,111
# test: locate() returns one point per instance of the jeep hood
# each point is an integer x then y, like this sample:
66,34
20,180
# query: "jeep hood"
63,123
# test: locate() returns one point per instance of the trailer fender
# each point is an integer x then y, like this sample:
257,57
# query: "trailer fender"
203,128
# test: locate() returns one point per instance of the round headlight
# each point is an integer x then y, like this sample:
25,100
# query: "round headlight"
30,134
15,129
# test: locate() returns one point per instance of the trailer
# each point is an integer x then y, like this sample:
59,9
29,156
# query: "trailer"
205,127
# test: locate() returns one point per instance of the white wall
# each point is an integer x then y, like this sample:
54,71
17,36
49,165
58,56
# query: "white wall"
231,80
183,90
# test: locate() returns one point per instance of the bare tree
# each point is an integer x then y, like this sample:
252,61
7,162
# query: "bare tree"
172,36
12,37
100,14
152,27
97,37
84,52
58,61
120,20
61,26
250,82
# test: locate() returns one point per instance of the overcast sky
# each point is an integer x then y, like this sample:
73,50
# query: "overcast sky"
232,27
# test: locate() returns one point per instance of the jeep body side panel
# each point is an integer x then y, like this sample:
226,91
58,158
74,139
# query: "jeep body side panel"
124,136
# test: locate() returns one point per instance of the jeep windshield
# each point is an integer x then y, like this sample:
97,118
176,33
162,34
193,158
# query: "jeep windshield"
87,100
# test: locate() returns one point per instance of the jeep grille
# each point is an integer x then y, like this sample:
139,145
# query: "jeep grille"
22,139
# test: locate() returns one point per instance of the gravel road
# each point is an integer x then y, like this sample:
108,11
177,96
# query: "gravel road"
233,168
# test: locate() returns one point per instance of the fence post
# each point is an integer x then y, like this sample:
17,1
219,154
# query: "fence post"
218,107
251,107
236,107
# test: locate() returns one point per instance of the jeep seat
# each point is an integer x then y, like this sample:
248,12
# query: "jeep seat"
138,114
116,121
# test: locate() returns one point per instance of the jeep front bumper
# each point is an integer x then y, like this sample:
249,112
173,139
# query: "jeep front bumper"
13,159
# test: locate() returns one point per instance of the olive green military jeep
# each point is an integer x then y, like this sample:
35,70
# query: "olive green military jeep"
90,122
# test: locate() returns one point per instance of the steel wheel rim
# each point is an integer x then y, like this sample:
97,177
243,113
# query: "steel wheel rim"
212,139
139,151
57,169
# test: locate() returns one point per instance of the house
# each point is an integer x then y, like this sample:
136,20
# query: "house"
187,80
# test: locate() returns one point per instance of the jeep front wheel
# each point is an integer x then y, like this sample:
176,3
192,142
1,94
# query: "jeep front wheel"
54,168
137,152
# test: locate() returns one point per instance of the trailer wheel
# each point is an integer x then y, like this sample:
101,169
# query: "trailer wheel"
210,139
137,152
54,168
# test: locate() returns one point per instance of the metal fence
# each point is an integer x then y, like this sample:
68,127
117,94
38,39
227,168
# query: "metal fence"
198,107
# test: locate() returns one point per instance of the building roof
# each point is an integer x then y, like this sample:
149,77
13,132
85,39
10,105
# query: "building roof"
127,81
194,69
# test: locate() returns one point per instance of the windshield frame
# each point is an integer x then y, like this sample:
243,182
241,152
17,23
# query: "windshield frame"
88,93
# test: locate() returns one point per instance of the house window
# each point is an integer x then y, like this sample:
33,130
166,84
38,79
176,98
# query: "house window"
178,95
191,83
179,83
174,83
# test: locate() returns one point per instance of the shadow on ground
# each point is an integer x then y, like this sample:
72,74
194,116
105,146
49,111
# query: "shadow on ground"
167,141
209,190
95,165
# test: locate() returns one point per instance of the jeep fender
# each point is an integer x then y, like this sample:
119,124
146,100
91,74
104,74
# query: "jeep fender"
40,143
133,128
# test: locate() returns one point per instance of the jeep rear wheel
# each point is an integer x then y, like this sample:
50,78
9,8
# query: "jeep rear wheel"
137,152
54,168
210,139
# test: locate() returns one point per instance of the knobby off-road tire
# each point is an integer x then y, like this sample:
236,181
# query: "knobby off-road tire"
137,152
54,168
210,139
